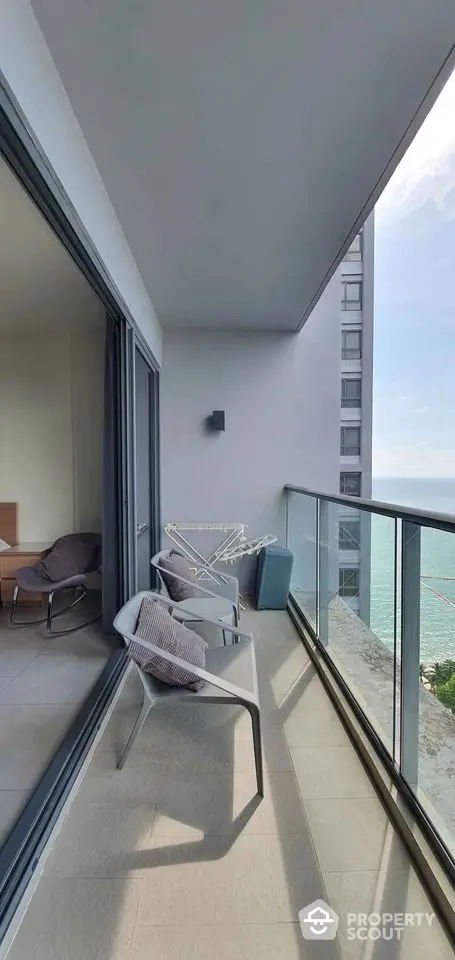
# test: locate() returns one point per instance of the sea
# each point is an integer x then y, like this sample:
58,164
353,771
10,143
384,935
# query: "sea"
437,587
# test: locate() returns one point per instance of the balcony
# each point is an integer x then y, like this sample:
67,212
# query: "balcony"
175,857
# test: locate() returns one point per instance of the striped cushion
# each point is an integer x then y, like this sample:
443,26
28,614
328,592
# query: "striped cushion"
157,626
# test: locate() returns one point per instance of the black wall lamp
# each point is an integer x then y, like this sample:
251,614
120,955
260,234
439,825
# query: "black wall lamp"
217,421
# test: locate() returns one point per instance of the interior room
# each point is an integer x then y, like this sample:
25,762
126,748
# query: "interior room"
52,357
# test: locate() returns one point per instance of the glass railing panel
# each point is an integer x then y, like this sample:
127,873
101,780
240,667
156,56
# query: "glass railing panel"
436,714
379,591
358,609
302,541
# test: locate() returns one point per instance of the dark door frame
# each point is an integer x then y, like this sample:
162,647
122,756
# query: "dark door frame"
154,458
19,856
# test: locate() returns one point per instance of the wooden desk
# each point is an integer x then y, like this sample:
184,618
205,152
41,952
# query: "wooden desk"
22,555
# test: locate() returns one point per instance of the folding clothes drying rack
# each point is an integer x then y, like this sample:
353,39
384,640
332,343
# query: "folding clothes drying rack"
233,546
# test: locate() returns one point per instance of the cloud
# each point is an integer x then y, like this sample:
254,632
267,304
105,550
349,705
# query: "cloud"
420,459
427,171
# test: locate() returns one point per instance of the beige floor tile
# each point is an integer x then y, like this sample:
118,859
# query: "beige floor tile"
272,941
52,679
22,634
132,690
308,697
306,727
350,834
263,879
270,628
78,920
103,840
351,892
16,653
330,772
223,803
387,891
29,736
153,735
12,802
404,893
86,643
197,739
276,755
280,674
136,783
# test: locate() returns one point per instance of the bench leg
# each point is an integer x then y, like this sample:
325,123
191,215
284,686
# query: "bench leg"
145,710
255,715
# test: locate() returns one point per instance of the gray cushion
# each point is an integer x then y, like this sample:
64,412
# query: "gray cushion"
28,578
176,563
69,556
157,626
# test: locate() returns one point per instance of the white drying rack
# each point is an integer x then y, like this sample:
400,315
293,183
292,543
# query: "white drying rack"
232,547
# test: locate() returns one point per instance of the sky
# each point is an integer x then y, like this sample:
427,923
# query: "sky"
414,350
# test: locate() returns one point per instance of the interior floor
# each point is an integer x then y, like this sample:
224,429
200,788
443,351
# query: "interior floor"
43,682
174,857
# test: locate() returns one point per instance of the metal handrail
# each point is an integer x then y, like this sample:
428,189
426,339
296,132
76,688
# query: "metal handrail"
440,521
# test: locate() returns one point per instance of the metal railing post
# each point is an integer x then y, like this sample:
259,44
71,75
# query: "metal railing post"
325,580
410,651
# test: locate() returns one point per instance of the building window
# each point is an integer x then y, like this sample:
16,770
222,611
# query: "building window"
351,393
349,582
349,534
351,344
355,251
351,294
350,483
350,442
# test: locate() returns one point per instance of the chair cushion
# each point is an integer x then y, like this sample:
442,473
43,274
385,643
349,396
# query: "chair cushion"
68,557
176,563
157,626
28,578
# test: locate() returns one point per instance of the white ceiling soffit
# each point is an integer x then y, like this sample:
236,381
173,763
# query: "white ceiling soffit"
41,288
240,141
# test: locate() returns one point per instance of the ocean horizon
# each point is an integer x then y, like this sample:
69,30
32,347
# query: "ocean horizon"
437,594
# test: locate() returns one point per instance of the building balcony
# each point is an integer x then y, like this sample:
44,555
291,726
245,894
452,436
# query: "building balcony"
175,856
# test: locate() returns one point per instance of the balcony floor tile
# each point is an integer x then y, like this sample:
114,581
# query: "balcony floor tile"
274,941
330,772
175,857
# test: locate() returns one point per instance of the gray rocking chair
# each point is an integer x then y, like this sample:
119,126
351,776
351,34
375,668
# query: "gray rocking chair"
31,580
230,674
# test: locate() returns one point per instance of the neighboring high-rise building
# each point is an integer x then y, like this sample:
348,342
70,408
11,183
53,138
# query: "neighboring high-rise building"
356,401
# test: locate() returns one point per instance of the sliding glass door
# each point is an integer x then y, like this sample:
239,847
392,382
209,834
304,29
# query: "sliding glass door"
79,403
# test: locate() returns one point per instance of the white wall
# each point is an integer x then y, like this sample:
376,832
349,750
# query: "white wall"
36,465
31,74
281,397
51,403
87,408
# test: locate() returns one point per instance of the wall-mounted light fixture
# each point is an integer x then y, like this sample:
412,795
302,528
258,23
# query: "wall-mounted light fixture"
217,421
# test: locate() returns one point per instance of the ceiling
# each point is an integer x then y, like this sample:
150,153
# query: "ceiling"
41,289
241,141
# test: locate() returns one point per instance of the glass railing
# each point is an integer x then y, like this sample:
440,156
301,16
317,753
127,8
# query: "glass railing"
376,584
